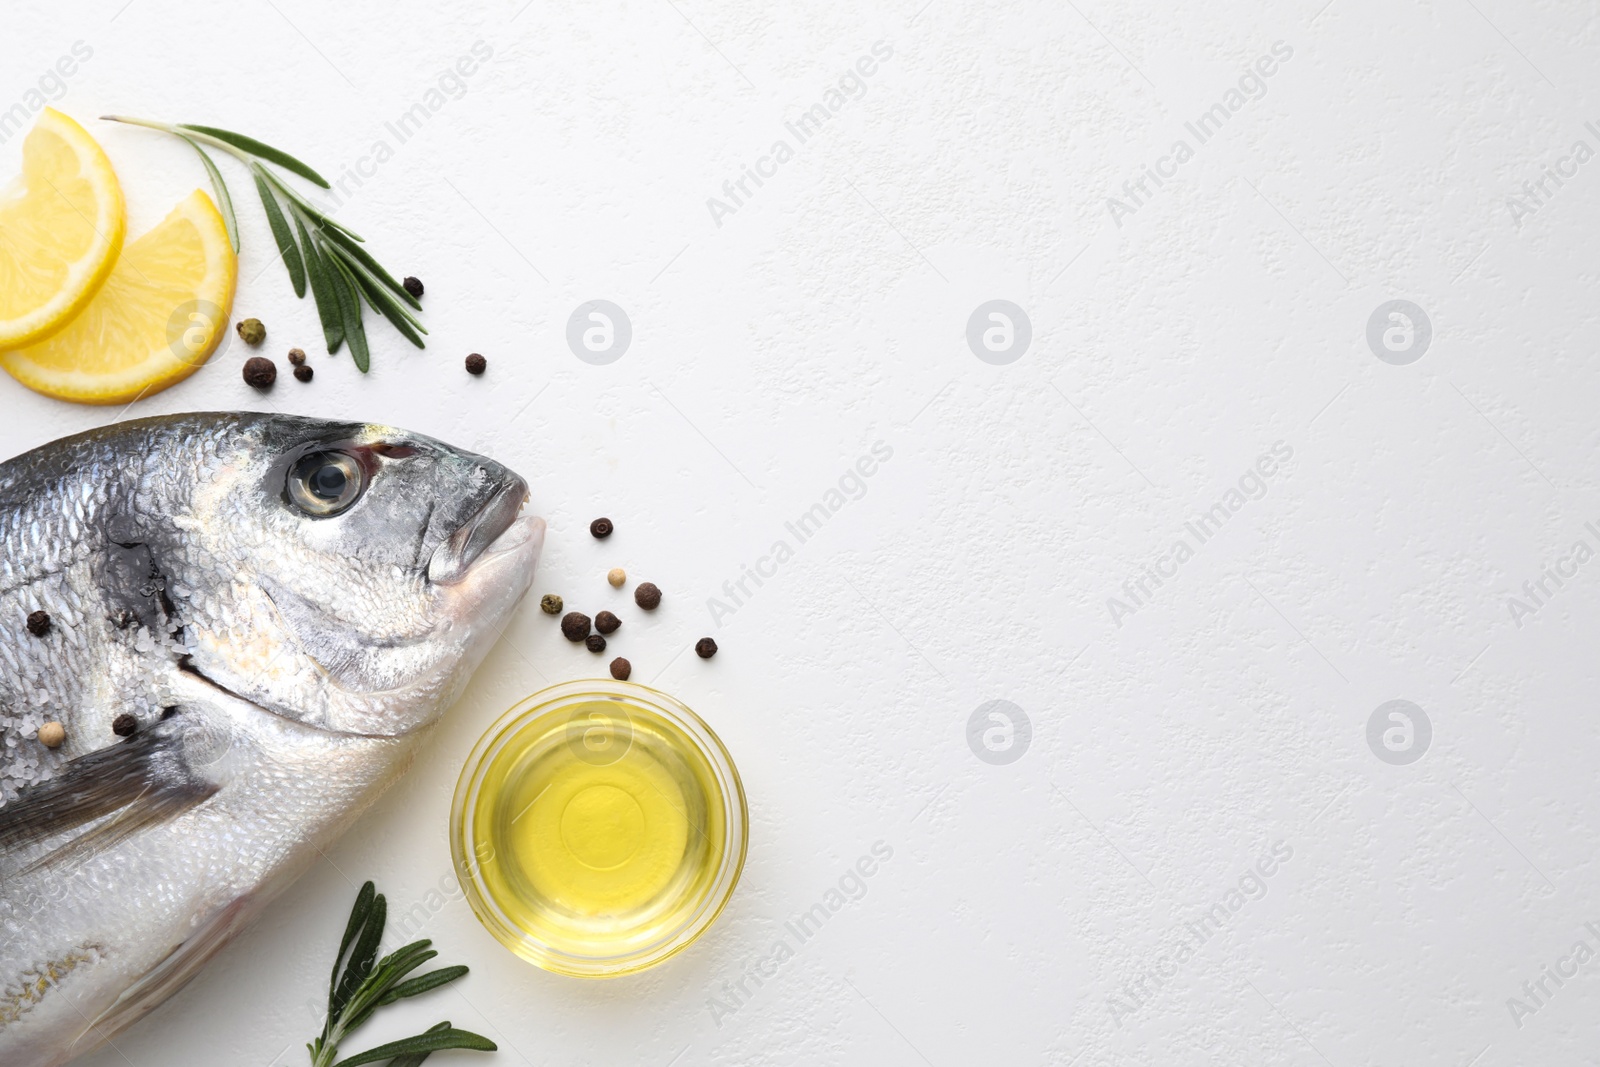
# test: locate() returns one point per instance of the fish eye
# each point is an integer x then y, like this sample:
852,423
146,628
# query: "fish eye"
325,484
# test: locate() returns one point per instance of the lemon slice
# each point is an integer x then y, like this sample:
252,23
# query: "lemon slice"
154,322
61,226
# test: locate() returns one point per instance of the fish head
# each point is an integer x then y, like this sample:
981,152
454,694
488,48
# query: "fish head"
349,576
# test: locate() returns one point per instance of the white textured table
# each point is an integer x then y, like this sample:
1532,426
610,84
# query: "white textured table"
1189,520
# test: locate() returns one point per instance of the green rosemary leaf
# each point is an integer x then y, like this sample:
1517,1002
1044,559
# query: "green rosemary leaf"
322,290
423,983
281,233
415,1059
358,919
432,1041
220,187
261,150
362,256
365,952
350,311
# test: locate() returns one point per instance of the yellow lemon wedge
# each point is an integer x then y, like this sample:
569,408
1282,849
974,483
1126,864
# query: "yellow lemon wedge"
154,322
61,227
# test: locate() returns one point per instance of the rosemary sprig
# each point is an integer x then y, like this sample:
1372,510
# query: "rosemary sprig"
361,984
317,251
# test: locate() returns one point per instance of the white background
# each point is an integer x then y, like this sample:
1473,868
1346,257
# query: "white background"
1171,748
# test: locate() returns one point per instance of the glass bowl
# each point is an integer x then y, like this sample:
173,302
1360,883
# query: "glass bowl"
598,828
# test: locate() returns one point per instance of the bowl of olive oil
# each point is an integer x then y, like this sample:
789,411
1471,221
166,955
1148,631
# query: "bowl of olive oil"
599,827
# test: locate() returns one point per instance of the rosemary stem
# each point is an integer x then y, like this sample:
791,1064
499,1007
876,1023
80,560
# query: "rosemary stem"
196,135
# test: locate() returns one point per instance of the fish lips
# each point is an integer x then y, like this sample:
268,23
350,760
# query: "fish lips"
454,557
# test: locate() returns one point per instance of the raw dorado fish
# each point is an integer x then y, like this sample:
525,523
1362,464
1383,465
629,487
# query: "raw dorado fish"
252,622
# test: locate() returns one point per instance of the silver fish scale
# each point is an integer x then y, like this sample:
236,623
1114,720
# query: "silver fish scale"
86,671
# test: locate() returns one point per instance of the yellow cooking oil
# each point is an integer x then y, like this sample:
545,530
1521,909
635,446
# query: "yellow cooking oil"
599,830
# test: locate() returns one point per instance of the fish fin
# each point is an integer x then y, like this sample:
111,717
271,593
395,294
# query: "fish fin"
172,973
139,782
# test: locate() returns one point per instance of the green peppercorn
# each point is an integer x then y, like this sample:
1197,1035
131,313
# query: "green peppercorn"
252,332
550,604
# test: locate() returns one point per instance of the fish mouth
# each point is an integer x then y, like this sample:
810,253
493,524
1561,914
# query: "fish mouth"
455,556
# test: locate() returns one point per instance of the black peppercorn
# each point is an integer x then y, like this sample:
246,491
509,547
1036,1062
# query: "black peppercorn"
260,372
606,622
647,596
39,623
601,528
705,648
303,373
413,286
124,725
620,669
595,643
550,604
476,364
575,626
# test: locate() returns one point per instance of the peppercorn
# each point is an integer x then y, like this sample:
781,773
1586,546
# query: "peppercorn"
413,286
606,622
550,604
595,643
51,734
620,669
705,648
616,576
601,528
124,725
260,372
647,596
303,374
476,364
252,332
297,356
575,626
39,623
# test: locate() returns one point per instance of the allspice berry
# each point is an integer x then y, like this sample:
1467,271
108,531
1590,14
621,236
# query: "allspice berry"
39,623
621,669
595,643
51,734
601,528
124,725
550,604
260,372
297,356
303,373
647,596
606,622
413,286
705,648
476,364
575,626
616,576
252,332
